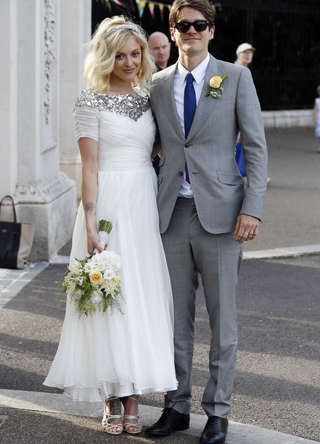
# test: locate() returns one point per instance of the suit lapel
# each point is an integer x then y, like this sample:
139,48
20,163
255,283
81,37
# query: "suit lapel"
206,104
167,97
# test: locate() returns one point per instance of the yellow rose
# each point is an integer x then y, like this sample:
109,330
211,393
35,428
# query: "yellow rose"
95,276
215,81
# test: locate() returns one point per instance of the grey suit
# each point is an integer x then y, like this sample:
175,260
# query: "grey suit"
198,233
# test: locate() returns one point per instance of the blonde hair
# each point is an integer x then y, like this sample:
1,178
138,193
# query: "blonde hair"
105,44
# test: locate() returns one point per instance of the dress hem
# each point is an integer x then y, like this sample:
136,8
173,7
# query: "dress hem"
99,397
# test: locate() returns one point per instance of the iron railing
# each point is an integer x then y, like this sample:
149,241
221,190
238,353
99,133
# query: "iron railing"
286,35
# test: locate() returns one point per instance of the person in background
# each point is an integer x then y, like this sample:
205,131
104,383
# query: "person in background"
244,58
316,113
244,54
159,46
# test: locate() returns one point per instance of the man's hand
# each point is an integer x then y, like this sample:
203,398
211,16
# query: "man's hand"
246,228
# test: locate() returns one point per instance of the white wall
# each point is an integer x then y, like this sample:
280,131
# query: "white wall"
8,104
75,25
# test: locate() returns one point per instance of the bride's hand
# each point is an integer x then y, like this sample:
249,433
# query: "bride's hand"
93,242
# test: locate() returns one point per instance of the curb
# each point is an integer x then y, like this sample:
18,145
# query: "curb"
49,402
282,252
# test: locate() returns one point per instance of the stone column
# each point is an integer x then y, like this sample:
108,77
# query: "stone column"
9,97
29,113
75,31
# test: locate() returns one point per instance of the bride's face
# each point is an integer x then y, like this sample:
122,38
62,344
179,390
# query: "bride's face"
128,61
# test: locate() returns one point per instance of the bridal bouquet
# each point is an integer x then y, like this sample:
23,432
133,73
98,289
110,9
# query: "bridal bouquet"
94,282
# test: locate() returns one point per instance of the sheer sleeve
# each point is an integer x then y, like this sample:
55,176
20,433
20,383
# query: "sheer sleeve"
86,122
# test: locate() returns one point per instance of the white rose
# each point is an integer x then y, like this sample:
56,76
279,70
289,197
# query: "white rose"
89,266
107,260
109,274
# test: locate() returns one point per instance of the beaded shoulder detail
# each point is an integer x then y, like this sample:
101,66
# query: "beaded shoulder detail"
129,105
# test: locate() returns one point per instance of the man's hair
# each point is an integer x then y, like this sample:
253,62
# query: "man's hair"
318,90
202,6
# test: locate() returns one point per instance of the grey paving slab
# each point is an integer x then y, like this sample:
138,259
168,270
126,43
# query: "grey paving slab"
13,281
60,259
3,302
5,282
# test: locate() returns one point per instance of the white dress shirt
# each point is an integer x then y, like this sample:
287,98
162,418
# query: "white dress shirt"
179,83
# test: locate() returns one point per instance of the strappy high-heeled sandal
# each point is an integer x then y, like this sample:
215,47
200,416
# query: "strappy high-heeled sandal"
127,424
111,411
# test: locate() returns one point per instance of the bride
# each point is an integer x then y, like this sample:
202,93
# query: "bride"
117,357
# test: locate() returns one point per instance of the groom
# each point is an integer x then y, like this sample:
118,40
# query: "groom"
206,211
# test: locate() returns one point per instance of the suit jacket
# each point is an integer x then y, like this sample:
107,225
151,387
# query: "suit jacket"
219,190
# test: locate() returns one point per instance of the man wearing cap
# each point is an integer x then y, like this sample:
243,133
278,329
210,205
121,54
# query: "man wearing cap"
244,58
244,54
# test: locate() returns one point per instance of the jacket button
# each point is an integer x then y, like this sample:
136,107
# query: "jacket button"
180,173
187,145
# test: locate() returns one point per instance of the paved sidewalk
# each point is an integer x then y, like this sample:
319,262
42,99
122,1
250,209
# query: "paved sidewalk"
276,397
276,393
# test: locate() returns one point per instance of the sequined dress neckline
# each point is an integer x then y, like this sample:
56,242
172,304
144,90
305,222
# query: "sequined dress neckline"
130,105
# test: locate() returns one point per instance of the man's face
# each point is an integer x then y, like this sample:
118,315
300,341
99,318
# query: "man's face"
192,42
245,57
160,48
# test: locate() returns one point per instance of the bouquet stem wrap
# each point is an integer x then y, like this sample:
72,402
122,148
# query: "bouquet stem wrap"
105,228
103,238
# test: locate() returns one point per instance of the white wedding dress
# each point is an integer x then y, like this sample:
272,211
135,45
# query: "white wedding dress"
131,353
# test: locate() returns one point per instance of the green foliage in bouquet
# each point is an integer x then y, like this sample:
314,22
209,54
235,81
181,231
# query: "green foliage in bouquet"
94,282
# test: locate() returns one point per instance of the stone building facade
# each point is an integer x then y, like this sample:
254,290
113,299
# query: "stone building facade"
41,59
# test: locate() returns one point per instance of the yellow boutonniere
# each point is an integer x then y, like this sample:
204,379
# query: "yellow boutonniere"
216,88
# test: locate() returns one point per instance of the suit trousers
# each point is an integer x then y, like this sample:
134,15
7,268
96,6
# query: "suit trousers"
191,250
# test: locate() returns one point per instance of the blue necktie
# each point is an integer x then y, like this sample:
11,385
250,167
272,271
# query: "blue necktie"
190,105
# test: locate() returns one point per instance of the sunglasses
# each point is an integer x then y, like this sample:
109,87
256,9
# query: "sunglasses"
199,26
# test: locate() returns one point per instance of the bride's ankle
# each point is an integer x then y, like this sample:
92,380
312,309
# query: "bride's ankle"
130,402
113,406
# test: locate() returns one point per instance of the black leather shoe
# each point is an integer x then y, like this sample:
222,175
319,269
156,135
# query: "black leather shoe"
170,421
215,431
